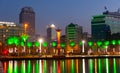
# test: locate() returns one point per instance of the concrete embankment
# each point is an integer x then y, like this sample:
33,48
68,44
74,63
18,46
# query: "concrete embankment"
56,57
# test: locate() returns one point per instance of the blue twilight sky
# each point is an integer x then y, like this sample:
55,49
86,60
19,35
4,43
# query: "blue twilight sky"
59,12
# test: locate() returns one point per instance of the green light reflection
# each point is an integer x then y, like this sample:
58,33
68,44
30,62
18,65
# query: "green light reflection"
54,67
63,66
23,67
45,66
72,67
114,65
99,66
37,67
10,65
91,65
107,65
15,67
29,67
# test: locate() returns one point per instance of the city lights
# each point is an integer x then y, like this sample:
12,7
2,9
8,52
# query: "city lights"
83,46
59,36
40,41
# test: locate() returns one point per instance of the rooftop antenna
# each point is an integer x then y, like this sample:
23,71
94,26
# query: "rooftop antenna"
105,8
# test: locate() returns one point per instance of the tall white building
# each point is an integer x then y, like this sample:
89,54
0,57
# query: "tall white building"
51,33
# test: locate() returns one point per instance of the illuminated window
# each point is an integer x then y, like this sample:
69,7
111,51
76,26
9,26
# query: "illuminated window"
7,30
4,35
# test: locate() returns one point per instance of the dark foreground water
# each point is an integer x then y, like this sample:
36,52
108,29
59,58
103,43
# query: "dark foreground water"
105,65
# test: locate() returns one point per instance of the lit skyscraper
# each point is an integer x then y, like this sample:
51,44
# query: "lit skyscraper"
27,16
103,26
113,20
100,30
74,33
51,33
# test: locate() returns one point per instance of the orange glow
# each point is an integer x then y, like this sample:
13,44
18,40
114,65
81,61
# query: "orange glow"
5,67
58,39
59,66
25,25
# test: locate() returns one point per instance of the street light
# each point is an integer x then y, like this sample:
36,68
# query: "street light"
40,41
106,49
83,46
25,26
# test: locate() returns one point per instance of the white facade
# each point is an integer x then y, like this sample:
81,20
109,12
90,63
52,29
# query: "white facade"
51,33
7,23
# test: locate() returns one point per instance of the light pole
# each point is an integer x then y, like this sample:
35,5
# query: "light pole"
40,41
83,46
106,49
25,26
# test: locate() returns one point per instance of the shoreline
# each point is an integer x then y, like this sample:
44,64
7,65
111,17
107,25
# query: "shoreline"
45,57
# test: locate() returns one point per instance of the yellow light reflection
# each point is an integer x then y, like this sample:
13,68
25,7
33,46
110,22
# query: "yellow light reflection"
10,67
96,66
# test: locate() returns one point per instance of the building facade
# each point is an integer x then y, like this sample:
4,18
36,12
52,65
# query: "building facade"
100,30
74,33
27,16
103,26
8,29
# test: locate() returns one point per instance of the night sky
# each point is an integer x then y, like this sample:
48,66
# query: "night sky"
58,12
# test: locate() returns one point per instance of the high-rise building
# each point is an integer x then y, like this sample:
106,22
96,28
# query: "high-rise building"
8,29
51,33
113,20
103,26
27,16
74,33
100,30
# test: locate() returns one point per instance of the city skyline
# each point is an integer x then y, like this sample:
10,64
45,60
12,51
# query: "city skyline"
61,13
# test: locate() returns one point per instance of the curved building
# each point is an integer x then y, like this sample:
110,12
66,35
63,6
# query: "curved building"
27,16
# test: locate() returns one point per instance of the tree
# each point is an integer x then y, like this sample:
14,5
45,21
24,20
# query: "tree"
45,44
72,44
29,45
113,42
13,41
99,43
63,45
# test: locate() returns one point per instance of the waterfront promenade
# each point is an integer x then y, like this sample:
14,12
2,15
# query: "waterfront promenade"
56,57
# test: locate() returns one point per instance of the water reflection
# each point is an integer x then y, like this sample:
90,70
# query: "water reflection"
114,65
105,65
91,65
83,63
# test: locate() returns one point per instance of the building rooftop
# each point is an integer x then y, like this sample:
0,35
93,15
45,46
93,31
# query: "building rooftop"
7,23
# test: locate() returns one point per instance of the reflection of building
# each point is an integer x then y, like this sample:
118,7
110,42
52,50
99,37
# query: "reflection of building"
104,25
51,33
74,33
9,29
27,16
